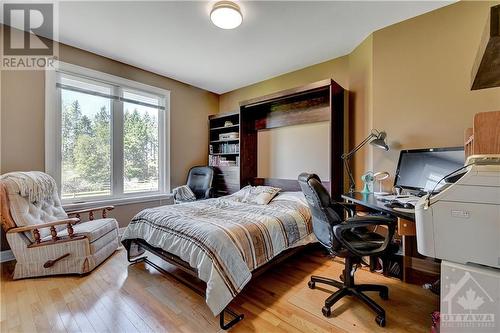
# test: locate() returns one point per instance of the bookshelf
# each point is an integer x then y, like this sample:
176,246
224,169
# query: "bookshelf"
224,151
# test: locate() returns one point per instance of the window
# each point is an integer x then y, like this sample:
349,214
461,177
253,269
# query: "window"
106,136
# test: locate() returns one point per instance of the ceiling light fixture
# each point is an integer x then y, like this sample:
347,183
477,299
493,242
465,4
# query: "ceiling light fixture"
226,15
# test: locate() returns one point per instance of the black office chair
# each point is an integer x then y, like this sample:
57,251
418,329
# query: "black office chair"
200,180
350,239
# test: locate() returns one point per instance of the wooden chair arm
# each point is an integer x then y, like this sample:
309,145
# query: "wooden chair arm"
72,220
91,211
56,241
53,231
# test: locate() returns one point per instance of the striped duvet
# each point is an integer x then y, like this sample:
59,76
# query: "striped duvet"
225,240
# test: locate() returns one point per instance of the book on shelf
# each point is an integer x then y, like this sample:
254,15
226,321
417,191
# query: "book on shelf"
229,136
224,148
216,160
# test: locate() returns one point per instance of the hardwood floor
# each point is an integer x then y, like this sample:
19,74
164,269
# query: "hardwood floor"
121,298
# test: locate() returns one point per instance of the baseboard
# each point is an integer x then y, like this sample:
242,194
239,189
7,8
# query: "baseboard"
6,256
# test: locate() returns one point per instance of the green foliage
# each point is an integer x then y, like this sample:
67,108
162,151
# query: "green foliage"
86,148
71,116
140,145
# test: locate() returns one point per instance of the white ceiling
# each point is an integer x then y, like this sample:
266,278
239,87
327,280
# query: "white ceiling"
177,39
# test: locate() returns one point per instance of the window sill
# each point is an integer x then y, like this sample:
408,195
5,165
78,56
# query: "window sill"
167,197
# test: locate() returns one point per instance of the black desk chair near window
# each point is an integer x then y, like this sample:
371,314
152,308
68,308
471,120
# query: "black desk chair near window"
200,181
198,185
349,239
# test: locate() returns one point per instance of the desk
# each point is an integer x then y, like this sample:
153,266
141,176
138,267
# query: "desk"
416,268
370,201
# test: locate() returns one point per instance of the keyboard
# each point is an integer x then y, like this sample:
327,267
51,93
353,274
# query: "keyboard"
396,204
399,198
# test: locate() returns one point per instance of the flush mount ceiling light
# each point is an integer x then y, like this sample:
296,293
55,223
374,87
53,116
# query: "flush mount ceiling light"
226,15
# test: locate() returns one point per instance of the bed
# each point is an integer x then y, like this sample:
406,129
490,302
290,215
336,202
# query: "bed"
222,241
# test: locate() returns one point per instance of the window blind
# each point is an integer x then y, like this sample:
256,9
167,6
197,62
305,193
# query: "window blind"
110,96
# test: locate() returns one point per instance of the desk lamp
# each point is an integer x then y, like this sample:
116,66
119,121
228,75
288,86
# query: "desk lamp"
375,138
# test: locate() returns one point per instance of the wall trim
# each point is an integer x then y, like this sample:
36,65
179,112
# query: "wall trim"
6,255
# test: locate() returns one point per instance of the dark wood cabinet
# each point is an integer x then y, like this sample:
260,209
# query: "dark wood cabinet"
316,102
235,159
227,180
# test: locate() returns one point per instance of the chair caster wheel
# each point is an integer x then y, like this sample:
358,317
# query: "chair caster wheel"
384,295
326,311
311,284
380,321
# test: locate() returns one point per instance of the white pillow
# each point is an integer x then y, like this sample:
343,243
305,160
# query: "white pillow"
262,195
257,195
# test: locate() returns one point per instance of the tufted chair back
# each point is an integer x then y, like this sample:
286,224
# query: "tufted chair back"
25,212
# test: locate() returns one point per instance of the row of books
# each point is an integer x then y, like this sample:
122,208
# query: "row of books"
225,148
216,160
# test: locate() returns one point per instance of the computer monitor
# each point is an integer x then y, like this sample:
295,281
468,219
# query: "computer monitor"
421,169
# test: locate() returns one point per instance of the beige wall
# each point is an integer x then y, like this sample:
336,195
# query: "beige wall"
422,79
285,152
360,104
336,69
23,110
411,79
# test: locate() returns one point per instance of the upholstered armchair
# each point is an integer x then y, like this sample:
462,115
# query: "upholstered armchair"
45,239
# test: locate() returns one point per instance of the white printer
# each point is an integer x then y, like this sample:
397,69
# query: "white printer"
461,226
462,222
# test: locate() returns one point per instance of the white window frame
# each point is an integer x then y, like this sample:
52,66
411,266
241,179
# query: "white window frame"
53,123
